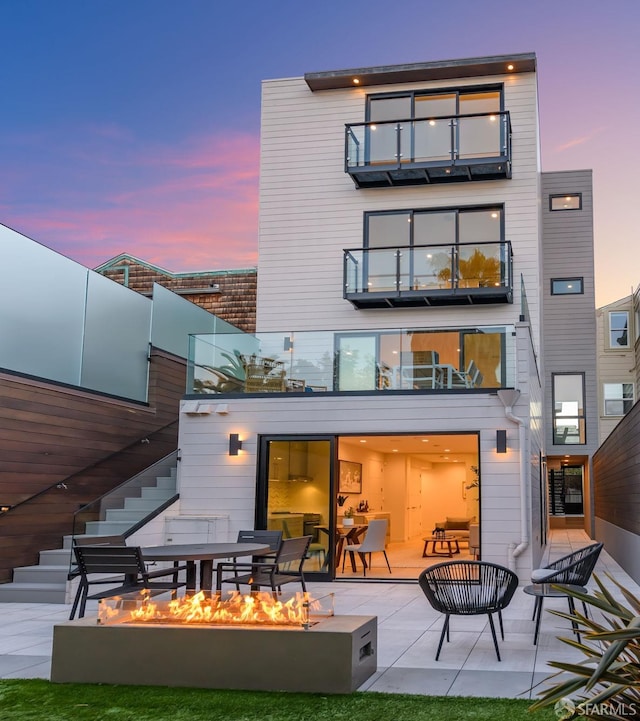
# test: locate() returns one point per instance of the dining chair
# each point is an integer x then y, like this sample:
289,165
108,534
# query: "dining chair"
469,378
315,547
468,588
374,541
270,538
127,570
286,567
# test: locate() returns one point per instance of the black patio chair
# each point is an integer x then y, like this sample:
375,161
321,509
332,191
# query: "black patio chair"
286,567
127,573
574,569
468,588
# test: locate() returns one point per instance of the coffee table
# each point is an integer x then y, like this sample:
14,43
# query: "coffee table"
441,539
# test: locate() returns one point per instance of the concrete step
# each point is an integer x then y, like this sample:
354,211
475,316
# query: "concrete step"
168,482
116,515
57,557
33,592
142,504
105,528
41,574
159,494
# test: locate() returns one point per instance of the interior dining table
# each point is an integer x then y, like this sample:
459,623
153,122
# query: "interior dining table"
205,554
344,534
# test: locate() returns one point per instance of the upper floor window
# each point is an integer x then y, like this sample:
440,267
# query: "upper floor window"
618,398
568,409
432,139
567,201
619,329
460,246
567,286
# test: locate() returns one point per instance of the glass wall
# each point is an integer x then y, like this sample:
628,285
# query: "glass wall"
384,360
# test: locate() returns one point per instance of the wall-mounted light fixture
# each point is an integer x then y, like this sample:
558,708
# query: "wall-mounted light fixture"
501,441
235,444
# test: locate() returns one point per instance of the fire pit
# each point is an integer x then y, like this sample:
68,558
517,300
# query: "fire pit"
254,641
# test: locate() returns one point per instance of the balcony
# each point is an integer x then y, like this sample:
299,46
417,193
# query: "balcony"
413,360
450,149
429,275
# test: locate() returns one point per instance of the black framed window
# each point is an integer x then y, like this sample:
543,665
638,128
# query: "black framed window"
567,286
565,201
569,421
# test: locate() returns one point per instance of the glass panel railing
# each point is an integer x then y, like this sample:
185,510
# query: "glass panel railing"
428,140
121,510
428,267
317,361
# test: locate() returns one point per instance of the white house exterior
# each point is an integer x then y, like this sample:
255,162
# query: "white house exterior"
399,319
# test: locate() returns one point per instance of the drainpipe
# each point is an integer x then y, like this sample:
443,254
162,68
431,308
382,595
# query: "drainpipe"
509,399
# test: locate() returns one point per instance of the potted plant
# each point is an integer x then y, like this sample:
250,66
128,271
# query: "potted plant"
348,516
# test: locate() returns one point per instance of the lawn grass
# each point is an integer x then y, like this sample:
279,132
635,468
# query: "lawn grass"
39,700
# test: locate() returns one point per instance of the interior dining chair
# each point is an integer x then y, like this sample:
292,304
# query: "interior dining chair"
315,548
374,541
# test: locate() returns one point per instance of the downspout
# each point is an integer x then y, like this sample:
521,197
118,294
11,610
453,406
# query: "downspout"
509,399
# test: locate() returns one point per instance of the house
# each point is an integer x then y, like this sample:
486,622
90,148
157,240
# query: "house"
617,367
412,260
228,294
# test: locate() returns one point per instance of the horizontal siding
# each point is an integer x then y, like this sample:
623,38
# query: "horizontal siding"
310,210
569,325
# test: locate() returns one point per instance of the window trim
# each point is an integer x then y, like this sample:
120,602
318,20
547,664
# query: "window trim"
564,195
618,347
566,280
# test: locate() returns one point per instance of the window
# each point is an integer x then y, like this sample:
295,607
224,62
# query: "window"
568,409
567,286
618,398
479,133
436,259
569,201
619,329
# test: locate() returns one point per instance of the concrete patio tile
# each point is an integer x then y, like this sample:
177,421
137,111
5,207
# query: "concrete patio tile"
39,670
488,684
393,643
21,644
516,652
430,682
422,654
21,666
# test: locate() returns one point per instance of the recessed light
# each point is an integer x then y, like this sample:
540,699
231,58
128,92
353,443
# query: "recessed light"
425,440
394,450
510,67
432,122
356,81
362,440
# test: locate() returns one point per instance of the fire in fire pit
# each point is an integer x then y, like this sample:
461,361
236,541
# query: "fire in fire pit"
233,609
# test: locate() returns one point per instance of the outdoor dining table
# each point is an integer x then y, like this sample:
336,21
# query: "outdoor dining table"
205,553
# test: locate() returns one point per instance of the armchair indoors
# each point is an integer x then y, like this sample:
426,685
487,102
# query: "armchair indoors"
468,588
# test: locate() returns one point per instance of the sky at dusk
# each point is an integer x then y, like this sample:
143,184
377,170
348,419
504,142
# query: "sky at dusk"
133,125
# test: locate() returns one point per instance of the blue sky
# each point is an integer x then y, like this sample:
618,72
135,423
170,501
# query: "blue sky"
133,125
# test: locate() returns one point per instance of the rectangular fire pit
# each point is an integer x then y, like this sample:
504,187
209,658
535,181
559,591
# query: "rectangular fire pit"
336,654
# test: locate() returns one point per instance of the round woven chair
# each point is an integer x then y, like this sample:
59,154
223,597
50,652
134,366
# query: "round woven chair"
468,588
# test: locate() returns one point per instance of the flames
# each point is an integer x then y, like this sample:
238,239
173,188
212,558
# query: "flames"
256,609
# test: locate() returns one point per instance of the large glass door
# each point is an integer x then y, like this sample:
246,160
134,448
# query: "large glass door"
295,493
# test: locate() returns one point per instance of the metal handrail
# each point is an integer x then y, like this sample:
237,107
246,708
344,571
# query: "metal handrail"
62,485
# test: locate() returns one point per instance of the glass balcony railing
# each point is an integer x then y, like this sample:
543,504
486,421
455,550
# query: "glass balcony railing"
465,273
435,360
431,150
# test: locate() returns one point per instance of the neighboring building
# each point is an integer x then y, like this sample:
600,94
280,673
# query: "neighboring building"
228,294
616,342
400,357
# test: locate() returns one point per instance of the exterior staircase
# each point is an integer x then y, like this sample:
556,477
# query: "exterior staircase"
48,581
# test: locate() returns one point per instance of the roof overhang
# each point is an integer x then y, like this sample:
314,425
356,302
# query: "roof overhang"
420,72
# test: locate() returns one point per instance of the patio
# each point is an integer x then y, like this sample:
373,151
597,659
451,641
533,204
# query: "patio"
408,633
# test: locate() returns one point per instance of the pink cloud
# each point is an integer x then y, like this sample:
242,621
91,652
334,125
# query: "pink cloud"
190,206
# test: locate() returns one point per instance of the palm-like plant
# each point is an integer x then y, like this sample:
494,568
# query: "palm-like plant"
607,681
